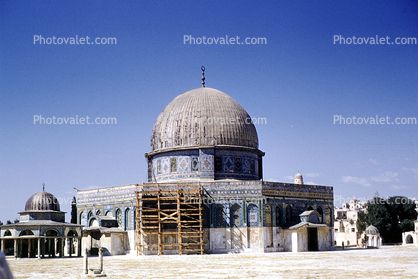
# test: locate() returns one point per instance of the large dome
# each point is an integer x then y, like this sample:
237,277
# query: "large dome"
203,117
42,201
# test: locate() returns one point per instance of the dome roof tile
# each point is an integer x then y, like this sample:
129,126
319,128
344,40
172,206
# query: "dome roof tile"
203,117
42,201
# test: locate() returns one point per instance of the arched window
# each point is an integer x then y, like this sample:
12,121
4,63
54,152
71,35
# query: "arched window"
7,233
278,216
220,216
409,239
118,215
128,219
288,214
51,232
94,222
206,217
252,216
310,208
328,216
89,215
26,232
72,233
108,213
321,214
267,211
98,213
80,217
236,215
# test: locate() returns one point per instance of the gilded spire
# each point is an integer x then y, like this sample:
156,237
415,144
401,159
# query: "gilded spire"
203,75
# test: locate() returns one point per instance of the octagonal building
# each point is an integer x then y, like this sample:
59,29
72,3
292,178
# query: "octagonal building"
204,135
203,139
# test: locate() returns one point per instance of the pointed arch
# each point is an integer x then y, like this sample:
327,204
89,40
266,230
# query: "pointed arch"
252,216
236,215
220,221
206,216
128,218
289,214
267,213
118,215
321,214
80,217
26,232
278,216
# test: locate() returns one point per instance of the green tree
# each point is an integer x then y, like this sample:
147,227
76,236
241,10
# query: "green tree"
361,222
16,221
1,223
391,217
8,222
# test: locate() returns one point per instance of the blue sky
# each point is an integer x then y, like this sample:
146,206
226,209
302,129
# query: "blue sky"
298,81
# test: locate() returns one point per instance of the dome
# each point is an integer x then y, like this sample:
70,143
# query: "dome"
371,230
298,179
42,201
203,117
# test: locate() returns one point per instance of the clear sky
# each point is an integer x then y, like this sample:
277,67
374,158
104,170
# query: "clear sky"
300,80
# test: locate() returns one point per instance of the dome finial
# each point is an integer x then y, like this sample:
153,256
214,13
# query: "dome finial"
203,75
43,186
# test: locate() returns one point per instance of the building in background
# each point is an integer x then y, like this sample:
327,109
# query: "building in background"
345,225
411,237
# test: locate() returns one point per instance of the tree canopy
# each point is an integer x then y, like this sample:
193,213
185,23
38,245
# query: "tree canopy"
391,216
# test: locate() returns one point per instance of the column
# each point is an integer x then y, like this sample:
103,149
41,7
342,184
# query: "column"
19,248
62,243
29,246
43,247
15,247
53,246
39,248
69,246
86,262
79,246
101,259
2,245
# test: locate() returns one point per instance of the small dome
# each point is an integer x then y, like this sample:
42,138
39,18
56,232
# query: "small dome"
371,230
298,179
42,201
203,117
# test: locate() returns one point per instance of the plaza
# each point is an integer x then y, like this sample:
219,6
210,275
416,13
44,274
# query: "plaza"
385,262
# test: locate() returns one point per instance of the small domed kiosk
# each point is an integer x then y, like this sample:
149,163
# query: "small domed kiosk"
373,239
41,231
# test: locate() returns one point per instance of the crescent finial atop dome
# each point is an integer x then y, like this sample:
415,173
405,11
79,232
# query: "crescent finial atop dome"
203,75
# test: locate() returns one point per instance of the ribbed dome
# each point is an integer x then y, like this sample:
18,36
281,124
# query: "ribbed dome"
371,230
42,201
203,117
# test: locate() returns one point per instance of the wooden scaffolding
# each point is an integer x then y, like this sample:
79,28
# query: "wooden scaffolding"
169,211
